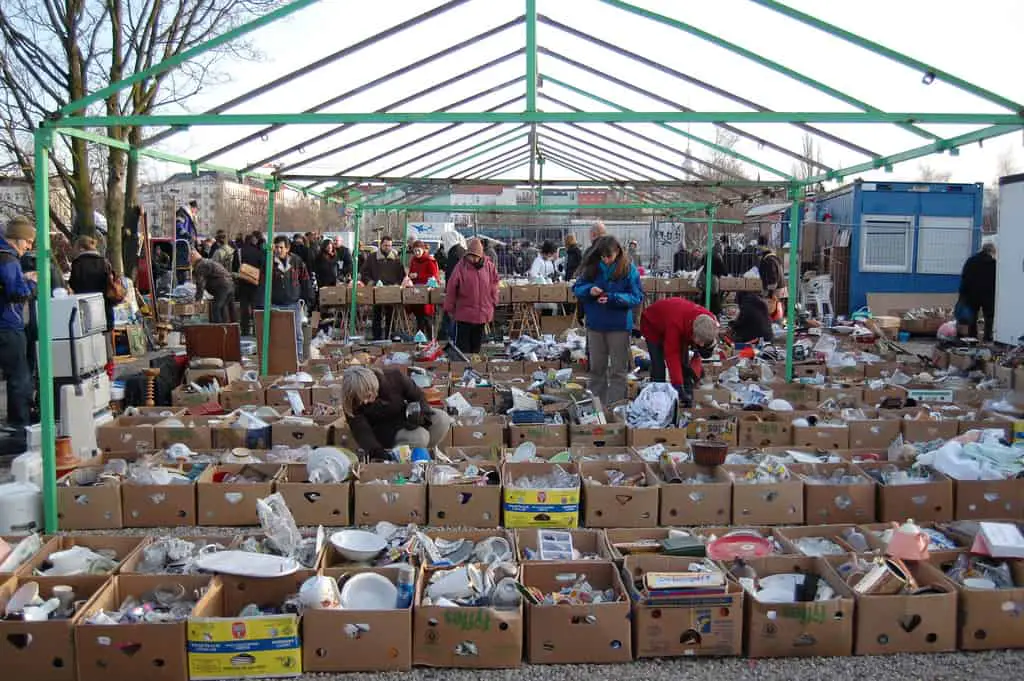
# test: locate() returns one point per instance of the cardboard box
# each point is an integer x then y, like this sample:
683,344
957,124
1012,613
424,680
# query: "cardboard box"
436,296
225,376
553,293
696,504
364,295
158,505
156,652
628,541
183,396
822,437
528,293
277,394
504,295
990,620
982,499
829,503
478,397
328,393
765,430
465,637
538,507
126,435
132,564
844,396
788,536
195,434
416,295
462,505
711,424
588,544
813,629
387,295
315,503
122,547
575,634
42,650
95,507
846,374
241,394
610,434
799,395
776,503
873,433
222,645
490,433
400,504
673,439
225,435
618,506
335,295
322,432
926,431
504,367
701,625
542,435
925,501
556,325
232,504
357,640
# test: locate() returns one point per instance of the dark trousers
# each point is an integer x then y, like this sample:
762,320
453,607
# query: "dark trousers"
469,337
14,364
988,310
382,318
424,323
246,294
659,368
222,309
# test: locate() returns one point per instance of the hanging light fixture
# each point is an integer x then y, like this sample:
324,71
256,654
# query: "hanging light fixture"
928,78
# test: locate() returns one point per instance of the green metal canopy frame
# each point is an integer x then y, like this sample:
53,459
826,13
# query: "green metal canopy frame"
563,137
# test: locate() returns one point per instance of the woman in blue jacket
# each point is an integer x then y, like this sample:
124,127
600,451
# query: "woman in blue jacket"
608,288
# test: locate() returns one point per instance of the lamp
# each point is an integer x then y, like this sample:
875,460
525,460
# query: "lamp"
928,78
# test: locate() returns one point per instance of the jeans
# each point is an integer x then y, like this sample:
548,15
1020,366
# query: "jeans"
609,363
383,315
469,337
659,368
246,294
14,364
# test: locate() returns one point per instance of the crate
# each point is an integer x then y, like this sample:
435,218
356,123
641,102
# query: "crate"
416,295
364,295
436,296
387,295
553,293
332,296
530,293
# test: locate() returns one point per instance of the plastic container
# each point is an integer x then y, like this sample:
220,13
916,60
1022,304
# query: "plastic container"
28,467
21,508
406,583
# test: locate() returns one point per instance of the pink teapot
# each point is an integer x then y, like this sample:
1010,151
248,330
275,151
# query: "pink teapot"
908,542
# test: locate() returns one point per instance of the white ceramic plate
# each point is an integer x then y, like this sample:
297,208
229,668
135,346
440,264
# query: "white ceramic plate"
247,564
369,591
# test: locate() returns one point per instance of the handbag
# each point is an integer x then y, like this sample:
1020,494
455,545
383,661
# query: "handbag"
249,274
115,291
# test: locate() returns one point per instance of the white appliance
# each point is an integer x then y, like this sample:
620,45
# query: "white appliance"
1010,259
90,356
77,315
84,407
21,508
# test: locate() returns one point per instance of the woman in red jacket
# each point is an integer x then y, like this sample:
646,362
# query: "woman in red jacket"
672,326
423,267
470,297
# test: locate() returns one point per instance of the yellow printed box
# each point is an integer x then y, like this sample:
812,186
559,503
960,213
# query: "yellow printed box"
244,647
539,507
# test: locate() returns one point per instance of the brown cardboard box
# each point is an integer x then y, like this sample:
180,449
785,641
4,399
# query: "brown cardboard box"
94,507
873,433
416,295
490,433
566,634
478,397
542,435
442,637
43,650
398,504
328,393
436,296
546,365
122,547
195,434
610,434
800,395
924,501
152,651
268,592
788,536
335,295
1003,424
777,503
875,397
315,503
822,437
126,435
926,431
504,367
364,295
532,507
387,295
765,430
711,424
182,396
814,629
696,504
462,505
322,432
225,376
240,394
158,505
846,374
232,504
591,544
553,293
132,564
504,295
224,435
990,619
629,541
277,394
673,438
704,625
830,503
608,506
528,293
383,641
982,499
844,395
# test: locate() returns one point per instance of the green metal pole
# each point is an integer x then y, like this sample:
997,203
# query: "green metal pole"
405,239
531,55
268,278
352,308
47,417
709,256
796,193
540,181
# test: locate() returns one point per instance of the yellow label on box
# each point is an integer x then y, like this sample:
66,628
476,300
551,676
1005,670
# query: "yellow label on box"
245,647
541,507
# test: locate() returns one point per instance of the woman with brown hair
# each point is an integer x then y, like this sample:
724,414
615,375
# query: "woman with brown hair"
90,273
608,288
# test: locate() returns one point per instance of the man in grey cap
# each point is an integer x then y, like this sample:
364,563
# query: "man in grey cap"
16,289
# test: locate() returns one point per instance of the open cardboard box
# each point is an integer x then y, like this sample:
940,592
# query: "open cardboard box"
811,629
822,437
156,652
158,505
322,432
576,634
490,433
123,548
766,429
788,536
990,618
687,503
398,504
357,640
127,434
772,503
984,499
831,503
227,541
465,505
629,541
195,433
315,503
711,424
873,433
612,433
588,542
92,507
541,435
554,507
43,650
242,393
697,625
618,506
931,500
233,504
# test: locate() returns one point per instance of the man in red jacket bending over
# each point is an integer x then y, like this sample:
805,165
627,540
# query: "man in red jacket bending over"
672,326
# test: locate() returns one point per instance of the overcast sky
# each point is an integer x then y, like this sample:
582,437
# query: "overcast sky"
975,41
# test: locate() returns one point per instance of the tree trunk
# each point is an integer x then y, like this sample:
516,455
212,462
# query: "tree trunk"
131,194
114,207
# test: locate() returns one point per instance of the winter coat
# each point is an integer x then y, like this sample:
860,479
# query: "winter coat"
90,272
753,323
387,269
543,269
210,276
15,289
573,258
375,425
455,255
669,323
623,295
223,254
185,226
290,283
325,267
344,262
978,281
420,272
471,294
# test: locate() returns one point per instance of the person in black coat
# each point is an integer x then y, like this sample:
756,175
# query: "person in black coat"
753,323
325,265
573,257
978,290
90,272
250,253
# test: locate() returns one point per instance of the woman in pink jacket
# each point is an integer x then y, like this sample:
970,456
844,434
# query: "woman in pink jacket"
470,296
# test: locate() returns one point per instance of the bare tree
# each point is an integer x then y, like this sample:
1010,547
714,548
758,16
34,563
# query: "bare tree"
728,166
811,151
928,173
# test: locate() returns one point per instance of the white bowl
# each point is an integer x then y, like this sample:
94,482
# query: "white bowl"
369,591
359,546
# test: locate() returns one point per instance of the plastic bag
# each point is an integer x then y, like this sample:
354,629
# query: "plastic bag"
278,524
654,407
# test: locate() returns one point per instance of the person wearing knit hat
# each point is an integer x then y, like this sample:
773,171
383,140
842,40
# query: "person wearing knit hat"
471,294
16,289
673,327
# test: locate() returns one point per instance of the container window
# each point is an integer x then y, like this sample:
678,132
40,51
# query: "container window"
943,244
886,244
